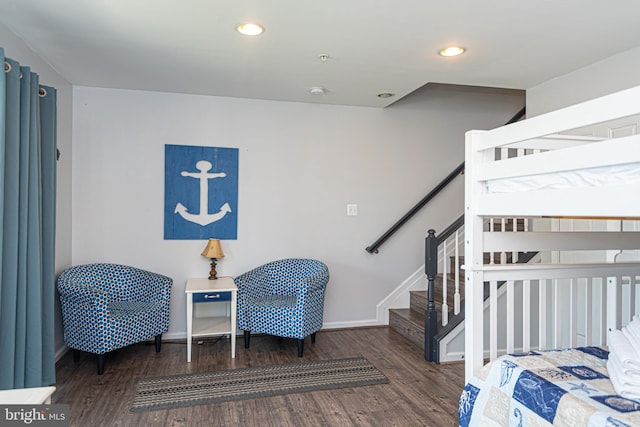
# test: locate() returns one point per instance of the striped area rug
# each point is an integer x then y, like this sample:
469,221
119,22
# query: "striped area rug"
247,383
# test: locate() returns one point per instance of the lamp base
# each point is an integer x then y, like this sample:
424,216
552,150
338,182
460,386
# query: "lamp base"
213,274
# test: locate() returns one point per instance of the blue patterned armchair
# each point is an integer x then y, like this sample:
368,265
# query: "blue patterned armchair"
284,298
110,306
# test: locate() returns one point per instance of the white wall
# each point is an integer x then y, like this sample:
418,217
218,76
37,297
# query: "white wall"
610,75
299,166
16,49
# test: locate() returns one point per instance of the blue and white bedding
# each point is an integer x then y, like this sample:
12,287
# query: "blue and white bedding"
543,388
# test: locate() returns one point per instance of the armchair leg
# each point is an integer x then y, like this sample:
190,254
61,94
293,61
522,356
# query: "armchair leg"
300,347
158,342
76,355
313,338
247,338
100,364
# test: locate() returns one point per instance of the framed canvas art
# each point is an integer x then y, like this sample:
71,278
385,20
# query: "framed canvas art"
201,193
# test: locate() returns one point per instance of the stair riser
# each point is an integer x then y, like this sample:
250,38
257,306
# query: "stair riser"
418,301
405,327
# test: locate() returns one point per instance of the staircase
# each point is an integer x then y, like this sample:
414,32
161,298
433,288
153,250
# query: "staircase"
410,322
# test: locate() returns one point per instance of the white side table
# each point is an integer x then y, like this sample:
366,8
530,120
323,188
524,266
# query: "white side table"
222,289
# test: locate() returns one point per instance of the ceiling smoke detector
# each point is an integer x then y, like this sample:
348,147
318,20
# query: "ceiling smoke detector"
317,90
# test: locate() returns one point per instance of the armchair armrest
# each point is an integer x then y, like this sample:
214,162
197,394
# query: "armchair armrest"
253,283
313,284
151,286
78,293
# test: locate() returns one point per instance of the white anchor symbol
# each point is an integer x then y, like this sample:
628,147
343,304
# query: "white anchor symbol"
203,218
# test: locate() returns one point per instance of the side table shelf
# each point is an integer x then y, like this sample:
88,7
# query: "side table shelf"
205,291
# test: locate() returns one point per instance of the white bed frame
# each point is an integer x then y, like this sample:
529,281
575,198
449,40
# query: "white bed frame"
550,304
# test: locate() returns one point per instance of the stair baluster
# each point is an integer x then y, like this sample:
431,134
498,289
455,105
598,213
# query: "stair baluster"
445,272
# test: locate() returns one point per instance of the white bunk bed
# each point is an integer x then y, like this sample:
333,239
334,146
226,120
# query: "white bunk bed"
537,169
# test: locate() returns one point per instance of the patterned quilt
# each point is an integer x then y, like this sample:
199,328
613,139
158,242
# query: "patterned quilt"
544,388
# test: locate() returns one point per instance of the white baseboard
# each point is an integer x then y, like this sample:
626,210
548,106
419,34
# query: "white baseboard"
169,336
326,326
352,324
61,352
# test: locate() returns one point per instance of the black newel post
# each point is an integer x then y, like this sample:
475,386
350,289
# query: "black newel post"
430,314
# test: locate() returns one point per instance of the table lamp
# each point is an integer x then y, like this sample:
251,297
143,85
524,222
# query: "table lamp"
213,251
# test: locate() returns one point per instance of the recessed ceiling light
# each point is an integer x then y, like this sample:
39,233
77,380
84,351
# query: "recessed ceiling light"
250,29
385,95
317,90
452,51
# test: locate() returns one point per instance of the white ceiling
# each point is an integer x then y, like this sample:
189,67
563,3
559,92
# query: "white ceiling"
190,46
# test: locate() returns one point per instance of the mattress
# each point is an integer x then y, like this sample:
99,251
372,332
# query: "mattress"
568,387
591,177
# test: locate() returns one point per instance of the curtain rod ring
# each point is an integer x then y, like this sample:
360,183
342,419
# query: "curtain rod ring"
42,92
7,67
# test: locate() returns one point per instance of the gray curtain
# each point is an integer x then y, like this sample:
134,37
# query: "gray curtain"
27,228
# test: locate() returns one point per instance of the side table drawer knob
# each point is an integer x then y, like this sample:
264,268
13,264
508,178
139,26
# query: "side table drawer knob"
216,296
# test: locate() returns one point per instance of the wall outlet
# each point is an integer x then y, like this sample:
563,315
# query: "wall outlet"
352,209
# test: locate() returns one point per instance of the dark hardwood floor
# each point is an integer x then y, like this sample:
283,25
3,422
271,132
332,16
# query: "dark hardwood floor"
419,393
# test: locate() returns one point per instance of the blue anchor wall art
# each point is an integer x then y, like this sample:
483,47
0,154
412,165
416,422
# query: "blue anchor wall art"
201,193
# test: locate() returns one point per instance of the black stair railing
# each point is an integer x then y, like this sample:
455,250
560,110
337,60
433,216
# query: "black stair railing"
374,247
448,232
430,314
433,332
431,270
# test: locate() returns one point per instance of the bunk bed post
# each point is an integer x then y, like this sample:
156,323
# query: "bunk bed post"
473,260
